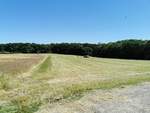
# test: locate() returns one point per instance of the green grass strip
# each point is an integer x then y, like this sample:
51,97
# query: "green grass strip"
43,68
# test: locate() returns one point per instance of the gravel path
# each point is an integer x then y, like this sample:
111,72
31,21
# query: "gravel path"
132,99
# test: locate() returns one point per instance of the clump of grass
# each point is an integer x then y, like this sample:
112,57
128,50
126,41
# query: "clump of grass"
8,109
4,82
21,104
24,104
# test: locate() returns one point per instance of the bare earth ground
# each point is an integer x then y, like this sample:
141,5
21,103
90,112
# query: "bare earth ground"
132,99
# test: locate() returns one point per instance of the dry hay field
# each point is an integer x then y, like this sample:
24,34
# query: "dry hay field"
30,81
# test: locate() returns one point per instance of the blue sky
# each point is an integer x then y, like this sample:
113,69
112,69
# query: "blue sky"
46,21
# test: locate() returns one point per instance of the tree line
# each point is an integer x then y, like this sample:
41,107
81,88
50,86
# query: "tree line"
126,49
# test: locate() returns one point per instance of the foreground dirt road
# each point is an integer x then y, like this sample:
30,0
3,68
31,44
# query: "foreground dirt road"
132,99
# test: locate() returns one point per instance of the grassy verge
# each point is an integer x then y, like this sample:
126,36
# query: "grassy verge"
27,104
76,90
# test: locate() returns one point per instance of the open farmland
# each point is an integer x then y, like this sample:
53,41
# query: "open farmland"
16,64
29,81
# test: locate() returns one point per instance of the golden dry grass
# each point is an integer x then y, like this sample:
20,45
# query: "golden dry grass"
59,77
17,64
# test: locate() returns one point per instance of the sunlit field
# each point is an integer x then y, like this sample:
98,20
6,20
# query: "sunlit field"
16,64
29,81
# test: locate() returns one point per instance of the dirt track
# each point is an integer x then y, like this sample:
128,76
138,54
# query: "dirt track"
132,99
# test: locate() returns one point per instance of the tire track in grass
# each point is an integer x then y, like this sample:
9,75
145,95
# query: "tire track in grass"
33,69
43,68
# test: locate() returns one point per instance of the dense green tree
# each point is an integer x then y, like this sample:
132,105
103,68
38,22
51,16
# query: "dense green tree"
87,50
127,49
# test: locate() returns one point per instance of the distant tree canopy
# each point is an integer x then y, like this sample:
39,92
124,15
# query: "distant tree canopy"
126,49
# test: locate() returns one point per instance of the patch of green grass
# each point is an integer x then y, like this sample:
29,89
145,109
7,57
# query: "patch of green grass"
43,68
8,109
21,104
16,107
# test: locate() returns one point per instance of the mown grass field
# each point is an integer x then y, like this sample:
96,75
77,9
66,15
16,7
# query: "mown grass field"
28,81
